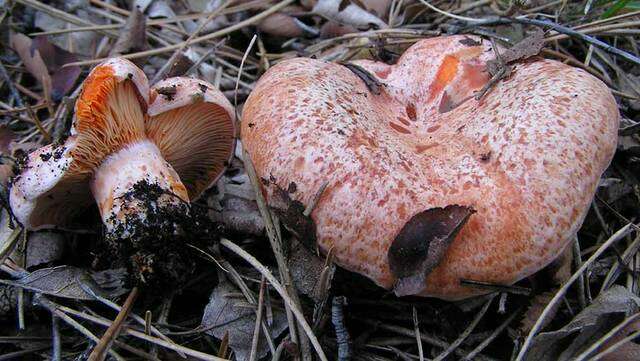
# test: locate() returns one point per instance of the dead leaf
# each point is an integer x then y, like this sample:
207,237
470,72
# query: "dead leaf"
291,213
239,215
44,247
45,62
32,60
226,314
344,11
280,24
306,269
606,311
65,281
421,243
133,36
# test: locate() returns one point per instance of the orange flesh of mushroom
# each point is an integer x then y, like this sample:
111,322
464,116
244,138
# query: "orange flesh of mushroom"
526,157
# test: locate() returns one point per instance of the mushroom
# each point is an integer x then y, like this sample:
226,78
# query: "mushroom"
425,185
142,154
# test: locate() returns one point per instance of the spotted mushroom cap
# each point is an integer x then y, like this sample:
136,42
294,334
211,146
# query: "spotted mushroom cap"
525,158
193,124
112,114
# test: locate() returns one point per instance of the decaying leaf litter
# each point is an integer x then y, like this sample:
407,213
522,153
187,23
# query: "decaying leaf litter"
61,306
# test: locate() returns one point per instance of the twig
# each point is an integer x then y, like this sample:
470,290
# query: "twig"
244,58
577,260
622,232
466,332
615,346
113,331
472,355
141,335
315,199
416,327
55,310
342,334
275,240
256,330
55,339
278,287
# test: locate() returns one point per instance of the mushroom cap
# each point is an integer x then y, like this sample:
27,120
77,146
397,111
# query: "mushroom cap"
193,124
526,157
111,114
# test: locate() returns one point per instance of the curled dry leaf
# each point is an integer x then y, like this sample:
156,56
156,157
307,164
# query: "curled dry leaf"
227,314
45,62
68,282
421,244
332,29
346,12
281,24
133,36
606,311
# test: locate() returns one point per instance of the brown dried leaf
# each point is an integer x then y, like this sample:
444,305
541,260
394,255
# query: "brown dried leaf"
347,12
133,36
629,351
30,57
227,316
45,62
560,268
280,24
421,244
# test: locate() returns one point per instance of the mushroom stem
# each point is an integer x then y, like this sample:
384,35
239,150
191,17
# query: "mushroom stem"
125,180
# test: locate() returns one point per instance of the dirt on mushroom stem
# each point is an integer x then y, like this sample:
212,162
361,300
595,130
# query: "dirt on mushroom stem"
152,241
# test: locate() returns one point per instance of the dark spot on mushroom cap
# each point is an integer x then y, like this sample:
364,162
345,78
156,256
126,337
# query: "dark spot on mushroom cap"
421,244
45,156
292,187
203,87
469,42
168,92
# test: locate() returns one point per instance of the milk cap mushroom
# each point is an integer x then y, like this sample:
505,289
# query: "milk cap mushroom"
141,154
427,186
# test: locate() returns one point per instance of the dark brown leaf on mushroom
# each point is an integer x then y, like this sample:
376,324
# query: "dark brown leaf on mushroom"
421,243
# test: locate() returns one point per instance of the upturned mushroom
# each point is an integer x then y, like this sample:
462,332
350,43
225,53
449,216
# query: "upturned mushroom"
427,186
142,154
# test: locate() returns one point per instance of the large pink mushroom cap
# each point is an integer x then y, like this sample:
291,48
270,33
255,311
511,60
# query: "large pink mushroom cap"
519,166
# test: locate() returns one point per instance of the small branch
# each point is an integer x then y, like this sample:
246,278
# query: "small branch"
113,331
256,329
